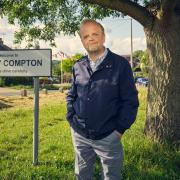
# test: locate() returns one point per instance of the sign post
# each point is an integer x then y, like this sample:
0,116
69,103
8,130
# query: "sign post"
28,63
36,121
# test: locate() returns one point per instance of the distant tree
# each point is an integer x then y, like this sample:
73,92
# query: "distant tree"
67,65
144,61
10,81
69,62
56,69
67,77
2,81
138,54
145,65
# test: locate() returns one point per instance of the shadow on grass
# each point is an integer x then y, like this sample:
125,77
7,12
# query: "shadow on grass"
59,119
4,105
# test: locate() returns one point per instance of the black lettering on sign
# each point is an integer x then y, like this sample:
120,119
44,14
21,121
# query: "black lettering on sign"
22,62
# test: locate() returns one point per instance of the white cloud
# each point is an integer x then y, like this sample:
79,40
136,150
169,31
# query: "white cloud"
123,45
70,45
8,28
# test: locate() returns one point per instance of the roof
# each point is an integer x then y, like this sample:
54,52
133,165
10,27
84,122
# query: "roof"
3,47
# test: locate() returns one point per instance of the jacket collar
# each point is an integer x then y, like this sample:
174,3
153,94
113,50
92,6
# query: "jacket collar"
106,62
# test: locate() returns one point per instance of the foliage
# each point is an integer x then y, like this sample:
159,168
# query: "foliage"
144,61
69,62
67,77
65,86
50,87
20,87
143,159
43,20
138,54
60,16
56,69
10,81
66,67
2,82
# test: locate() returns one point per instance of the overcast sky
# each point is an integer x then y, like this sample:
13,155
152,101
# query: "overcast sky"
117,37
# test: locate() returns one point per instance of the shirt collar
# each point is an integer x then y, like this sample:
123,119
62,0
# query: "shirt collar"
96,63
101,57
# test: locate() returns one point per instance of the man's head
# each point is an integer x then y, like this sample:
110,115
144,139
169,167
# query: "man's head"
92,36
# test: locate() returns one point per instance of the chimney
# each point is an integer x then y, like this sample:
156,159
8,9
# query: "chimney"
1,41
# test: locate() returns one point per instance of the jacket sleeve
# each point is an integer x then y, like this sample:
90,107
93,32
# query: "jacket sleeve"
71,97
128,100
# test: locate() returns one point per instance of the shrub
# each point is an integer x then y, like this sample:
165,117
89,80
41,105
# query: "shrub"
65,86
2,82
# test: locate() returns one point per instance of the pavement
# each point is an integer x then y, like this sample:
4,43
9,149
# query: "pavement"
7,92
11,92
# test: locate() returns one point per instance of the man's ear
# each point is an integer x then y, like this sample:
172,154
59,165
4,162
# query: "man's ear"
104,38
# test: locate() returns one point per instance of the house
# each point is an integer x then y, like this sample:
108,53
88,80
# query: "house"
3,47
135,60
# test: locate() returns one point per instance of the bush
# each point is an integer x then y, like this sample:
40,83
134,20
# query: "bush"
2,82
50,87
65,86
11,81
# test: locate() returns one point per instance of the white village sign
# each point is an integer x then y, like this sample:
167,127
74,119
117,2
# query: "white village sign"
31,62
28,63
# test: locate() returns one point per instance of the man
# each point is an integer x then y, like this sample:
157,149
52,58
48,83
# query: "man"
101,104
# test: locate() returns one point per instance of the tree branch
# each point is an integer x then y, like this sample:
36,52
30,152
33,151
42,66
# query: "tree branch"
127,7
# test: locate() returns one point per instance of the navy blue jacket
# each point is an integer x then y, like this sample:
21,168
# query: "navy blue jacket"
102,101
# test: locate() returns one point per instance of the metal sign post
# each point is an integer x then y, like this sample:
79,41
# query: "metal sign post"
36,121
131,58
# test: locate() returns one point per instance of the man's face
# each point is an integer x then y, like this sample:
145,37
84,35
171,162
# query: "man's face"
92,37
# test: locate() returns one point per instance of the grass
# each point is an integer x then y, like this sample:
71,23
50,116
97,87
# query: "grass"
143,159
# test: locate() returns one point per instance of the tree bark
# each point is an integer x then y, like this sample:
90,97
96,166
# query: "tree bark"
163,107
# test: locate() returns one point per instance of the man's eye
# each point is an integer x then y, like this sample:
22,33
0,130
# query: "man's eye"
85,37
95,34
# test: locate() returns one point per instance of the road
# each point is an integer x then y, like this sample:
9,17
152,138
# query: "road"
11,92
14,92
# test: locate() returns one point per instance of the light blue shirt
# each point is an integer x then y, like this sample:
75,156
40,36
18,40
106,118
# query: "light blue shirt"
95,64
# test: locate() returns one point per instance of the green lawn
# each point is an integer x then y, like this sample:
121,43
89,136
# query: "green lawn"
143,159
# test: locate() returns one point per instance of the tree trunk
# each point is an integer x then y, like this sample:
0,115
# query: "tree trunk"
163,109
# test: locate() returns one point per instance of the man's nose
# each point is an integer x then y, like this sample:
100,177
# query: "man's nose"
91,38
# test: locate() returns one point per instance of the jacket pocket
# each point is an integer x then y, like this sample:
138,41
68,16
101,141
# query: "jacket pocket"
79,122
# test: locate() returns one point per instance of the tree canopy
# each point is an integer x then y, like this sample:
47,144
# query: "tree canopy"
45,19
